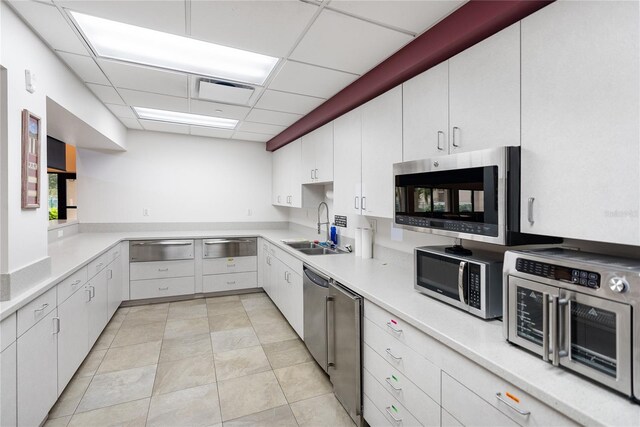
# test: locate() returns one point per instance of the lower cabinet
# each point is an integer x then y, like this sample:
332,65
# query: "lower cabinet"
97,308
8,374
229,282
73,338
37,370
114,286
158,288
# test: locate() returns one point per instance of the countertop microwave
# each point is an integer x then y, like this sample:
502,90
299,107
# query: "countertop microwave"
473,195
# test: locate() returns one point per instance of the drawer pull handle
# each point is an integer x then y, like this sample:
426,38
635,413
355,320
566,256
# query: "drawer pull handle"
42,307
393,328
392,355
56,323
506,402
396,420
231,283
99,266
230,265
77,282
93,291
388,380
163,269
163,289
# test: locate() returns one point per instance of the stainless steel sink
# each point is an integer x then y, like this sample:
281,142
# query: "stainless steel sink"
310,248
302,245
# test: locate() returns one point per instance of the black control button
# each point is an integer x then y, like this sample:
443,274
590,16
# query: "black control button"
583,282
592,283
593,276
575,279
575,273
583,274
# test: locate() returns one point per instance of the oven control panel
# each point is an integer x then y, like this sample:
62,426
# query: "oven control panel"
475,294
576,276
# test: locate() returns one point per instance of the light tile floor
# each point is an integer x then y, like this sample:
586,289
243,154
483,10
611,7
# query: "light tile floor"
224,361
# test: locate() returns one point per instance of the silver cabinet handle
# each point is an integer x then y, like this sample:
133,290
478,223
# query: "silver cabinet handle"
163,289
89,294
388,380
230,265
396,420
315,175
110,274
394,329
311,175
392,355
530,210
268,260
163,269
99,266
77,282
356,204
231,283
438,140
461,295
453,136
278,199
545,327
93,292
506,402
42,307
56,325
364,204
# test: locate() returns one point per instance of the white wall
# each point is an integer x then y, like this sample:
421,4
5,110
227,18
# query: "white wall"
179,178
25,231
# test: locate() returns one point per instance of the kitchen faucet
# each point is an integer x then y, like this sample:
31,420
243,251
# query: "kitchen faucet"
325,223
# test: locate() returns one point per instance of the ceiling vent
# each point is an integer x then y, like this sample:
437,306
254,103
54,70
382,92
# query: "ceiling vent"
222,91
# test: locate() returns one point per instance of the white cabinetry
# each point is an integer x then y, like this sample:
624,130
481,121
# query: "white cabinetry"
73,338
425,114
381,148
97,308
8,372
37,369
317,155
484,93
114,286
226,274
348,164
580,127
287,188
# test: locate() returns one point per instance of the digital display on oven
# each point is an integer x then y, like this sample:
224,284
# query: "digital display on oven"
589,279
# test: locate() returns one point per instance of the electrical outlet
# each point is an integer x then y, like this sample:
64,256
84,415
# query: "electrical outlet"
145,211
60,233
374,225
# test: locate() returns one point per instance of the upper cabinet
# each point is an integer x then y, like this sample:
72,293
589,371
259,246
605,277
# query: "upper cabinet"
287,188
470,102
580,127
381,148
317,155
348,164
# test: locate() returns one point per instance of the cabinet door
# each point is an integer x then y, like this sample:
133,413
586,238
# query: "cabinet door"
275,282
97,316
8,373
425,114
114,287
580,128
292,300
73,344
293,184
278,177
381,148
347,130
308,157
37,371
484,93
324,154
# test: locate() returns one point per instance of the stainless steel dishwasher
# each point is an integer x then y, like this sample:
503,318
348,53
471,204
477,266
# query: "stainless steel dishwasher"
332,333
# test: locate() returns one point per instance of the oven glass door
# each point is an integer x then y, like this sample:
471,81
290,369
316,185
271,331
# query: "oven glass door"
441,275
528,312
598,339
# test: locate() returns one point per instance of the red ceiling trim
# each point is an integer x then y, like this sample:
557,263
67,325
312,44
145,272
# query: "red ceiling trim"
470,24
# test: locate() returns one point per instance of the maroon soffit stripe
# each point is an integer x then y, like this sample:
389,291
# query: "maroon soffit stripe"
470,24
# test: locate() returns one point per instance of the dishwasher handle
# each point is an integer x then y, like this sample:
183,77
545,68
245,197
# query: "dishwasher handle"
330,330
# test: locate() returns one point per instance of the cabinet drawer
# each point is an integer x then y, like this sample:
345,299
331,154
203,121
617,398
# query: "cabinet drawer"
469,408
229,265
95,266
36,310
68,286
392,410
142,289
372,415
114,252
415,400
406,334
423,373
487,386
292,262
7,332
161,269
227,282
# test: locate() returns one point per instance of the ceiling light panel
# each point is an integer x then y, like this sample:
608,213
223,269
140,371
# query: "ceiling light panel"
184,118
124,42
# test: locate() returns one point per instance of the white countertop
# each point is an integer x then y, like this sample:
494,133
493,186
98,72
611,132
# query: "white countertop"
391,287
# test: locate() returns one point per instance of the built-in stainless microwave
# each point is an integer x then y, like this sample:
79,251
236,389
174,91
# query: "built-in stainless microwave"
472,283
473,195
576,310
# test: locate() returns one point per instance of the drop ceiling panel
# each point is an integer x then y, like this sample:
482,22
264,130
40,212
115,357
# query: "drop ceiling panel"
145,79
106,94
219,110
260,128
415,16
310,80
272,117
164,15
288,102
131,123
85,67
348,44
121,111
165,127
136,98
51,25
267,27
248,136
211,133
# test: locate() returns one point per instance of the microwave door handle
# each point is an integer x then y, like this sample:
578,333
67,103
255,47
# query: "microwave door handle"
461,270
557,322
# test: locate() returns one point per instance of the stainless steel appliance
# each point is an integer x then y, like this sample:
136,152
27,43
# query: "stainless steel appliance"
473,195
472,283
160,250
332,333
230,247
577,310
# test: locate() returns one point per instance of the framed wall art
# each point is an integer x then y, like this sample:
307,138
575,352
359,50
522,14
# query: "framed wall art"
30,160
